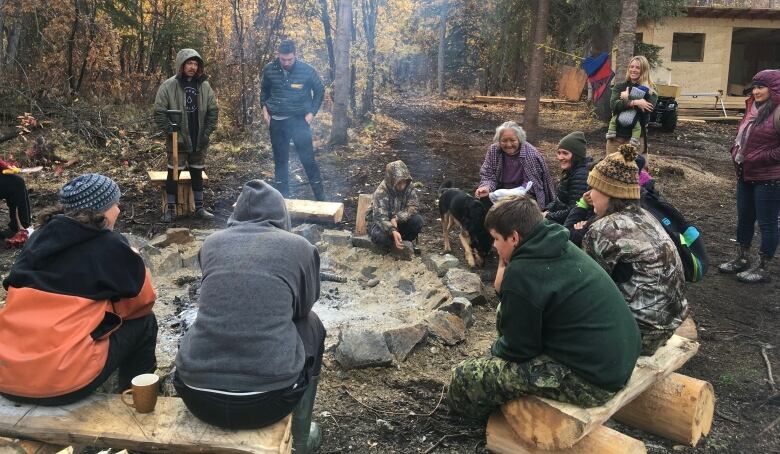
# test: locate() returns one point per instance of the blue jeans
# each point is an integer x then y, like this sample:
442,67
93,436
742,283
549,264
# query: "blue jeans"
758,202
298,130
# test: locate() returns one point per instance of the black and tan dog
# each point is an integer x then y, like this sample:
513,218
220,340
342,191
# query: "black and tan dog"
457,207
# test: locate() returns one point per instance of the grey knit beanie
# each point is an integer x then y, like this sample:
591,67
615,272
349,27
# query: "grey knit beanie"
90,191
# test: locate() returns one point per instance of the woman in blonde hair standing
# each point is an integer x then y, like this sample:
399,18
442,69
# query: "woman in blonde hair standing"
635,97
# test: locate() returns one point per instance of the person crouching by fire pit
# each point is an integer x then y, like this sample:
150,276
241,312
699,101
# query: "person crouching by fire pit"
79,303
393,216
255,351
573,339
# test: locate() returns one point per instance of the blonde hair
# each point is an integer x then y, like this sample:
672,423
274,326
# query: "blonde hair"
644,72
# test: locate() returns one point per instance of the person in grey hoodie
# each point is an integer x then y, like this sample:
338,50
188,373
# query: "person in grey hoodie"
255,351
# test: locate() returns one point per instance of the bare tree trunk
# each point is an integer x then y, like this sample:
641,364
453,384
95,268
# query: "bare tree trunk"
601,41
328,39
71,45
13,41
627,35
238,29
338,133
533,87
442,48
370,11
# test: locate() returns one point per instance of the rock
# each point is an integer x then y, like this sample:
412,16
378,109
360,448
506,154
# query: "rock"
372,283
322,247
364,242
168,263
402,340
436,298
173,236
189,259
360,348
462,308
405,286
440,263
337,237
446,327
309,231
468,285
369,272
403,254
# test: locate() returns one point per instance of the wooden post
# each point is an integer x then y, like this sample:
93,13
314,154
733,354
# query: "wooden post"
679,408
502,439
364,203
175,156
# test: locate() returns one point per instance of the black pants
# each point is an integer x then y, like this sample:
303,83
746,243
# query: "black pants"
259,410
14,192
130,349
409,230
196,176
297,129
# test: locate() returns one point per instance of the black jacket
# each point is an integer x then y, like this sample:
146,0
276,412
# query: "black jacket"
297,94
571,187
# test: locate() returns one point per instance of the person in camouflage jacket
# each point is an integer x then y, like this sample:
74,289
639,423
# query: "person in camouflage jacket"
393,216
633,247
572,339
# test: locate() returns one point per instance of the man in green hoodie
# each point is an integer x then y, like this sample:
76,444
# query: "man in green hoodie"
190,93
564,330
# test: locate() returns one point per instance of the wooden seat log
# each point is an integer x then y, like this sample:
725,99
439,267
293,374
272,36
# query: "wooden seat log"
103,421
364,203
185,199
549,425
502,439
678,408
17,446
313,211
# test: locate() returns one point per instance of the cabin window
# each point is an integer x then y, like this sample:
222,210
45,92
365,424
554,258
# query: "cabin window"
688,47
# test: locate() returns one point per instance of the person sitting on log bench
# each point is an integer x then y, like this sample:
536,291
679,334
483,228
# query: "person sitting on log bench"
564,330
79,302
392,218
633,247
254,353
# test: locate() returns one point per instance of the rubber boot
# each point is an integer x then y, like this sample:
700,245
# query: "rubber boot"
306,434
758,272
318,190
740,263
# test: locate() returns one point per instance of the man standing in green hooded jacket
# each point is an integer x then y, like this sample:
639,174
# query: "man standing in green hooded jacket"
190,93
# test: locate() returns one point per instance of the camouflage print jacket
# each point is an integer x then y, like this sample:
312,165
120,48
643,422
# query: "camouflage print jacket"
632,246
387,202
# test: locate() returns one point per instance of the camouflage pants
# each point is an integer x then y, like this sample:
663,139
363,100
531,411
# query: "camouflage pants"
653,338
479,385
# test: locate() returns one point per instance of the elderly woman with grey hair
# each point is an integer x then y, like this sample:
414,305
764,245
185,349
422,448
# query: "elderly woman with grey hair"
511,162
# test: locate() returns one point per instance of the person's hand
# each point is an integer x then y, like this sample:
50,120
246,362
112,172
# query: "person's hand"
482,191
580,225
266,116
624,94
587,198
647,106
544,214
394,221
309,117
399,242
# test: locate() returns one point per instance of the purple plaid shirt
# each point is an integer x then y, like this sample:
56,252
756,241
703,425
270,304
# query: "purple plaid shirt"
534,167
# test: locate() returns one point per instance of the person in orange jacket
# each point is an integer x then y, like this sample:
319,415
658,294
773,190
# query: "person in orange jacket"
79,303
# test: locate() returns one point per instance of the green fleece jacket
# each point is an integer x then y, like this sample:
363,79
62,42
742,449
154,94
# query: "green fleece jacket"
170,96
556,301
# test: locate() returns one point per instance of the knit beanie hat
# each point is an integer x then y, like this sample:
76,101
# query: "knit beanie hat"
91,191
617,175
574,143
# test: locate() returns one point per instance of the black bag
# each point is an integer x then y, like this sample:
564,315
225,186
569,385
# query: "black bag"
685,236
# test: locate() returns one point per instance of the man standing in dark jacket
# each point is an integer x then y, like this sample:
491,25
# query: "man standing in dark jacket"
291,94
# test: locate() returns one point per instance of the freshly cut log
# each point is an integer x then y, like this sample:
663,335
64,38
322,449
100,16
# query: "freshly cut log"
364,203
678,407
549,424
688,329
502,439
310,210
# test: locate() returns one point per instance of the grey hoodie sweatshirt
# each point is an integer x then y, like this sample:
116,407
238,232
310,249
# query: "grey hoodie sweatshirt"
257,278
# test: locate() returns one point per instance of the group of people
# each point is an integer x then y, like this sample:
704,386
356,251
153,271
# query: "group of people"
79,301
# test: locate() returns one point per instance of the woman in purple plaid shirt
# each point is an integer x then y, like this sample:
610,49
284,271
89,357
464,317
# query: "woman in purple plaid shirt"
511,162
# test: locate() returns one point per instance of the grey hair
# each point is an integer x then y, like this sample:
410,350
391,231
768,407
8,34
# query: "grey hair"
520,132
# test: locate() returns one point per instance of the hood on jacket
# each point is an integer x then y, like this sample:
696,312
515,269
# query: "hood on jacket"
259,203
185,54
769,78
396,171
546,240
62,234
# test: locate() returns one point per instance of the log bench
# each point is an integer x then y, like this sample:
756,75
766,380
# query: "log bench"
185,199
314,211
102,420
655,400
